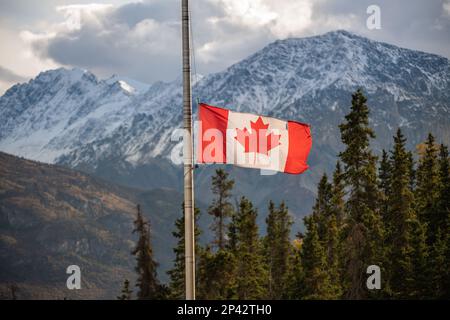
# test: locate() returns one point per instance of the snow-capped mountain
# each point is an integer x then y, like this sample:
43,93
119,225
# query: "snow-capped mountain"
130,85
311,79
59,111
72,117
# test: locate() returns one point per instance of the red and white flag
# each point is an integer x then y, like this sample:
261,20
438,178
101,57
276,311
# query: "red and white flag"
252,141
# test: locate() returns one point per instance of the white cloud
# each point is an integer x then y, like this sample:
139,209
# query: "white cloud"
17,55
250,13
90,36
142,39
8,78
446,7
135,40
76,14
280,18
293,17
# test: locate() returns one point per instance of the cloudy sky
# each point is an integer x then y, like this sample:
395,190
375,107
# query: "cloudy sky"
141,39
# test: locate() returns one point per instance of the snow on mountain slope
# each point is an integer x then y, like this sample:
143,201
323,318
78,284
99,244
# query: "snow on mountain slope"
309,79
59,111
129,84
71,117
275,79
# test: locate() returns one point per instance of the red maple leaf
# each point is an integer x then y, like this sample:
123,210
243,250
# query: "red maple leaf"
258,140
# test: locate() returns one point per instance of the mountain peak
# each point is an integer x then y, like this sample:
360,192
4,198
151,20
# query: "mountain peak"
128,84
332,38
71,75
342,32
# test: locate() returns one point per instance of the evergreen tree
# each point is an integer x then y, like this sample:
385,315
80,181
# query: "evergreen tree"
206,275
217,275
232,233
325,222
147,282
384,184
439,267
296,277
412,171
433,206
442,215
316,280
278,249
336,224
177,273
420,263
126,291
251,271
217,270
444,210
427,190
440,253
322,208
364,229
221,208
333,256
338,194
399,220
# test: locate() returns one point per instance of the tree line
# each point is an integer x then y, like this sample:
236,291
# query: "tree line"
392,211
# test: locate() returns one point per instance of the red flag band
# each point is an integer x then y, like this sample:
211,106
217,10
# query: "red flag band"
252,141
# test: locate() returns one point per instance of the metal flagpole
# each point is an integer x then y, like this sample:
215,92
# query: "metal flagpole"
188,157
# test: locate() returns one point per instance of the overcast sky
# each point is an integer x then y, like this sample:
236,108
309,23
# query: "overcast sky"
141,39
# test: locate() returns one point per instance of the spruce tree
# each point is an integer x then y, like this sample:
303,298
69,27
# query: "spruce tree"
420,262
206,274
412,171
336,224
217,275
427,190
296,277
438,266
177,273
338,194
332,247
442,215
324,218
322,208
364,229
232,233
277,249
440,253
221,208
398,221
126,291
317,284
432,206
270,247
217,270
147,282
384,184
251,271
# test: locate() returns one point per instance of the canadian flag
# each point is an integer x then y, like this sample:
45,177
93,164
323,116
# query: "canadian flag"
252,141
